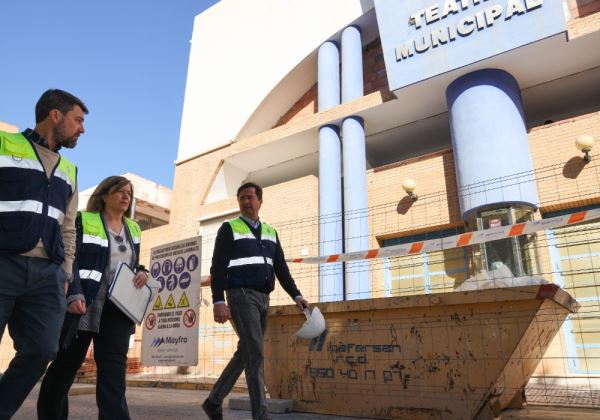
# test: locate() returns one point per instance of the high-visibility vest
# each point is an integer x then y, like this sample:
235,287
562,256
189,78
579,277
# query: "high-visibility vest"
32,206
93,251
251,262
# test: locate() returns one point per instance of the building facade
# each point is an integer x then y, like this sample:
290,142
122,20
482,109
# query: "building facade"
8,127
331,105
151,201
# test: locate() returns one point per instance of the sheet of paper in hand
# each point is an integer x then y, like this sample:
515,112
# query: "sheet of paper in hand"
129,299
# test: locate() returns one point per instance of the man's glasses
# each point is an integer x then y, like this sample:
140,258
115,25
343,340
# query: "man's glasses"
122,246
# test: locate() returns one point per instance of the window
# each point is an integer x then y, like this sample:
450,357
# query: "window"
575,258
430,272
517,254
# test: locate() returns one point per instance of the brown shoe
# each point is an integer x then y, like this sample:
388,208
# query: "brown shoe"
212,410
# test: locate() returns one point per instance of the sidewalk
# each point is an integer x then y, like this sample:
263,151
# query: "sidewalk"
167,403
154,404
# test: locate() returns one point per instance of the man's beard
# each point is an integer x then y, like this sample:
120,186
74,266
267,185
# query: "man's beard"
63,140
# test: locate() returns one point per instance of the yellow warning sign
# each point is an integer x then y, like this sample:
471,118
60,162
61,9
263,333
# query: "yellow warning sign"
157,304
170,302
183,302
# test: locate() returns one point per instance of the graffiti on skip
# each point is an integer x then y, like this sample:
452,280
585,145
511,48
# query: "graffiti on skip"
355,358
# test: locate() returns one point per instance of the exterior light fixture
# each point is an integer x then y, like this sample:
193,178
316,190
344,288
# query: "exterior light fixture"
409,186
585,142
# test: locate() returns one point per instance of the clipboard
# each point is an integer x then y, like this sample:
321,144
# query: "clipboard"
129,299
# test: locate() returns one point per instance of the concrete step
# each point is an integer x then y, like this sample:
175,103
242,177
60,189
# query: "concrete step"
274,406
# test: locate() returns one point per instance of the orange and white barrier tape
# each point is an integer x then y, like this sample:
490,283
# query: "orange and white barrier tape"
456,241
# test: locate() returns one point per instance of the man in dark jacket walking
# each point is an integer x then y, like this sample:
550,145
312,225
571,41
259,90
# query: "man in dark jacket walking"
38,205
246,259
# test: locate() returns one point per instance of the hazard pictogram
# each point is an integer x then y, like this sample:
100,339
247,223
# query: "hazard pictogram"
189,318
150,321
183,302
170,303
157,304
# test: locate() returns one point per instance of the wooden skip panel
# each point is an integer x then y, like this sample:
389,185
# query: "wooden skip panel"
396,360
508,294
535,339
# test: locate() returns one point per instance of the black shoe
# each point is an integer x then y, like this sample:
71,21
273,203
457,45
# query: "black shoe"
213,411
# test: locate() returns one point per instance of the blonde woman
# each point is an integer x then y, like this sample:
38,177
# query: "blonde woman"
106,236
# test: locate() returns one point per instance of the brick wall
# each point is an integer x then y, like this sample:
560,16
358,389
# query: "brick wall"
191,184
374,77
585,23
307,104
580,8
562,175
374,73
394,212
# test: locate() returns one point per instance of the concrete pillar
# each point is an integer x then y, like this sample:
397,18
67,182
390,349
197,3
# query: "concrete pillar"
489,139
352,64
331,285
328,76
356,223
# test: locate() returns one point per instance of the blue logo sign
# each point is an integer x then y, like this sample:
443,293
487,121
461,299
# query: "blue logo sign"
157,342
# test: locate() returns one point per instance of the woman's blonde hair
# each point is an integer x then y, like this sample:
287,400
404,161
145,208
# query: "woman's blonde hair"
108,186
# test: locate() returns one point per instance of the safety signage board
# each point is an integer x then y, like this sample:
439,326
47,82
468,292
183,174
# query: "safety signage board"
169,338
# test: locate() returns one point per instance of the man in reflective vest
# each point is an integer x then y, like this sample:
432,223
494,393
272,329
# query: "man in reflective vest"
246,259
38,206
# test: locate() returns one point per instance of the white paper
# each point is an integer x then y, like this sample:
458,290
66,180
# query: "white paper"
129,299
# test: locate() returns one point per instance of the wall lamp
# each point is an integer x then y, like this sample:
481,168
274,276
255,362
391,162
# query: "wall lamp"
409,186
585,142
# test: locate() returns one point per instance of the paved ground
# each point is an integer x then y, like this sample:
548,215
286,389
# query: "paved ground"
154,404
164,403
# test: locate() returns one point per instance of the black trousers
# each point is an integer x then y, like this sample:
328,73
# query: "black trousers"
110,353
32,304
249,312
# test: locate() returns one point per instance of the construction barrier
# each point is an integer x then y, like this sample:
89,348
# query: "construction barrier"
456,241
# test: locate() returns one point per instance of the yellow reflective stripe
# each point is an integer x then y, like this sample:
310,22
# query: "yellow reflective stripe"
90,274
22,205
92,225
56,214
134,230
249,261
17,145
9,161
239,226
68,169
96,240
65,177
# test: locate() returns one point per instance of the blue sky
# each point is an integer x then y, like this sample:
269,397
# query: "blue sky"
126,59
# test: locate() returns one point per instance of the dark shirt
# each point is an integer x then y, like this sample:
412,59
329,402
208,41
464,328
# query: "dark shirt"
35,137
224,244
